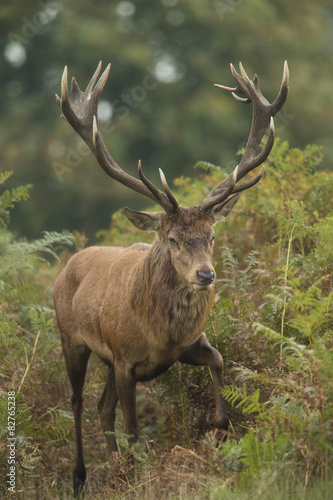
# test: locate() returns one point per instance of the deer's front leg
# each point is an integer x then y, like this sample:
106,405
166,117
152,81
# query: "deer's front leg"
126,390
202,353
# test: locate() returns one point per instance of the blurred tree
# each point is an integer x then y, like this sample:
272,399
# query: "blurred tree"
159,103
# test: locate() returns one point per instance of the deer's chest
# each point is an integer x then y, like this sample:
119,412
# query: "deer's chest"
181,318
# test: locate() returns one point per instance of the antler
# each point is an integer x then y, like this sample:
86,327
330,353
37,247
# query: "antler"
263,113
80,110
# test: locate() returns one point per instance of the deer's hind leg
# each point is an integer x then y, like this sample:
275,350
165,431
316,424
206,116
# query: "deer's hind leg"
76,359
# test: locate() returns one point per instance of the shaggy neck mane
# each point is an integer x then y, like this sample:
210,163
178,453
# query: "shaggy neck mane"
159,293
161,280
170,272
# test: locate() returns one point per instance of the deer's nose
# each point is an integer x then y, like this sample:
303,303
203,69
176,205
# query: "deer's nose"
206,277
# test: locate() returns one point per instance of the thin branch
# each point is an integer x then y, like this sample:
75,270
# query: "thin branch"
29,363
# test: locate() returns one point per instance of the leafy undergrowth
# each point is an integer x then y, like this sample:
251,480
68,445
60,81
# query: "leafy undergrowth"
272,321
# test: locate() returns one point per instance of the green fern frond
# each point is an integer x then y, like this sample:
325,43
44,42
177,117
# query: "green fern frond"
9,198
248,403
135,449
235,277
19,254
207,167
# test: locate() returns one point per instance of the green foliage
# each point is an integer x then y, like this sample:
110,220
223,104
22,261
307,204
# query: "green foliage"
294,320
20,254
248,403
129,449
294,429
9,197
323,251
20,292
292,221
27,338
236,282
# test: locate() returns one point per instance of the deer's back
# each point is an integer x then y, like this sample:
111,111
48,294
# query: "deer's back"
79,292
93,266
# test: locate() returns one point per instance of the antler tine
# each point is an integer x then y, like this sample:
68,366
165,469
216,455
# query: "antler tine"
75,89
80,110
97,91
210,202
64,91
245,100
64,84
94,88
168,192
157,193
263,113
252,182
245,77
233,93
240,87
95,76
63,101
283,93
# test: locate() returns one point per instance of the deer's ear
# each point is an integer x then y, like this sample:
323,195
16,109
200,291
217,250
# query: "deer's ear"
220,213
146,221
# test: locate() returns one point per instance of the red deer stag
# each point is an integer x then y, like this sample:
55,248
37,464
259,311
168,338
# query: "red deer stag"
142,308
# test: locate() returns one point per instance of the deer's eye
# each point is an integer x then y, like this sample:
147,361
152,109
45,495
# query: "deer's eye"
173,242
212,240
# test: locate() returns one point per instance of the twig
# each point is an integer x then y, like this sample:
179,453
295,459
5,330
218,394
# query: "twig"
29,363
194,455
55,407
285,280
146,482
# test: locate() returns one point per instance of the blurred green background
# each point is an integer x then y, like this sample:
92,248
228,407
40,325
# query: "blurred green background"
159,103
